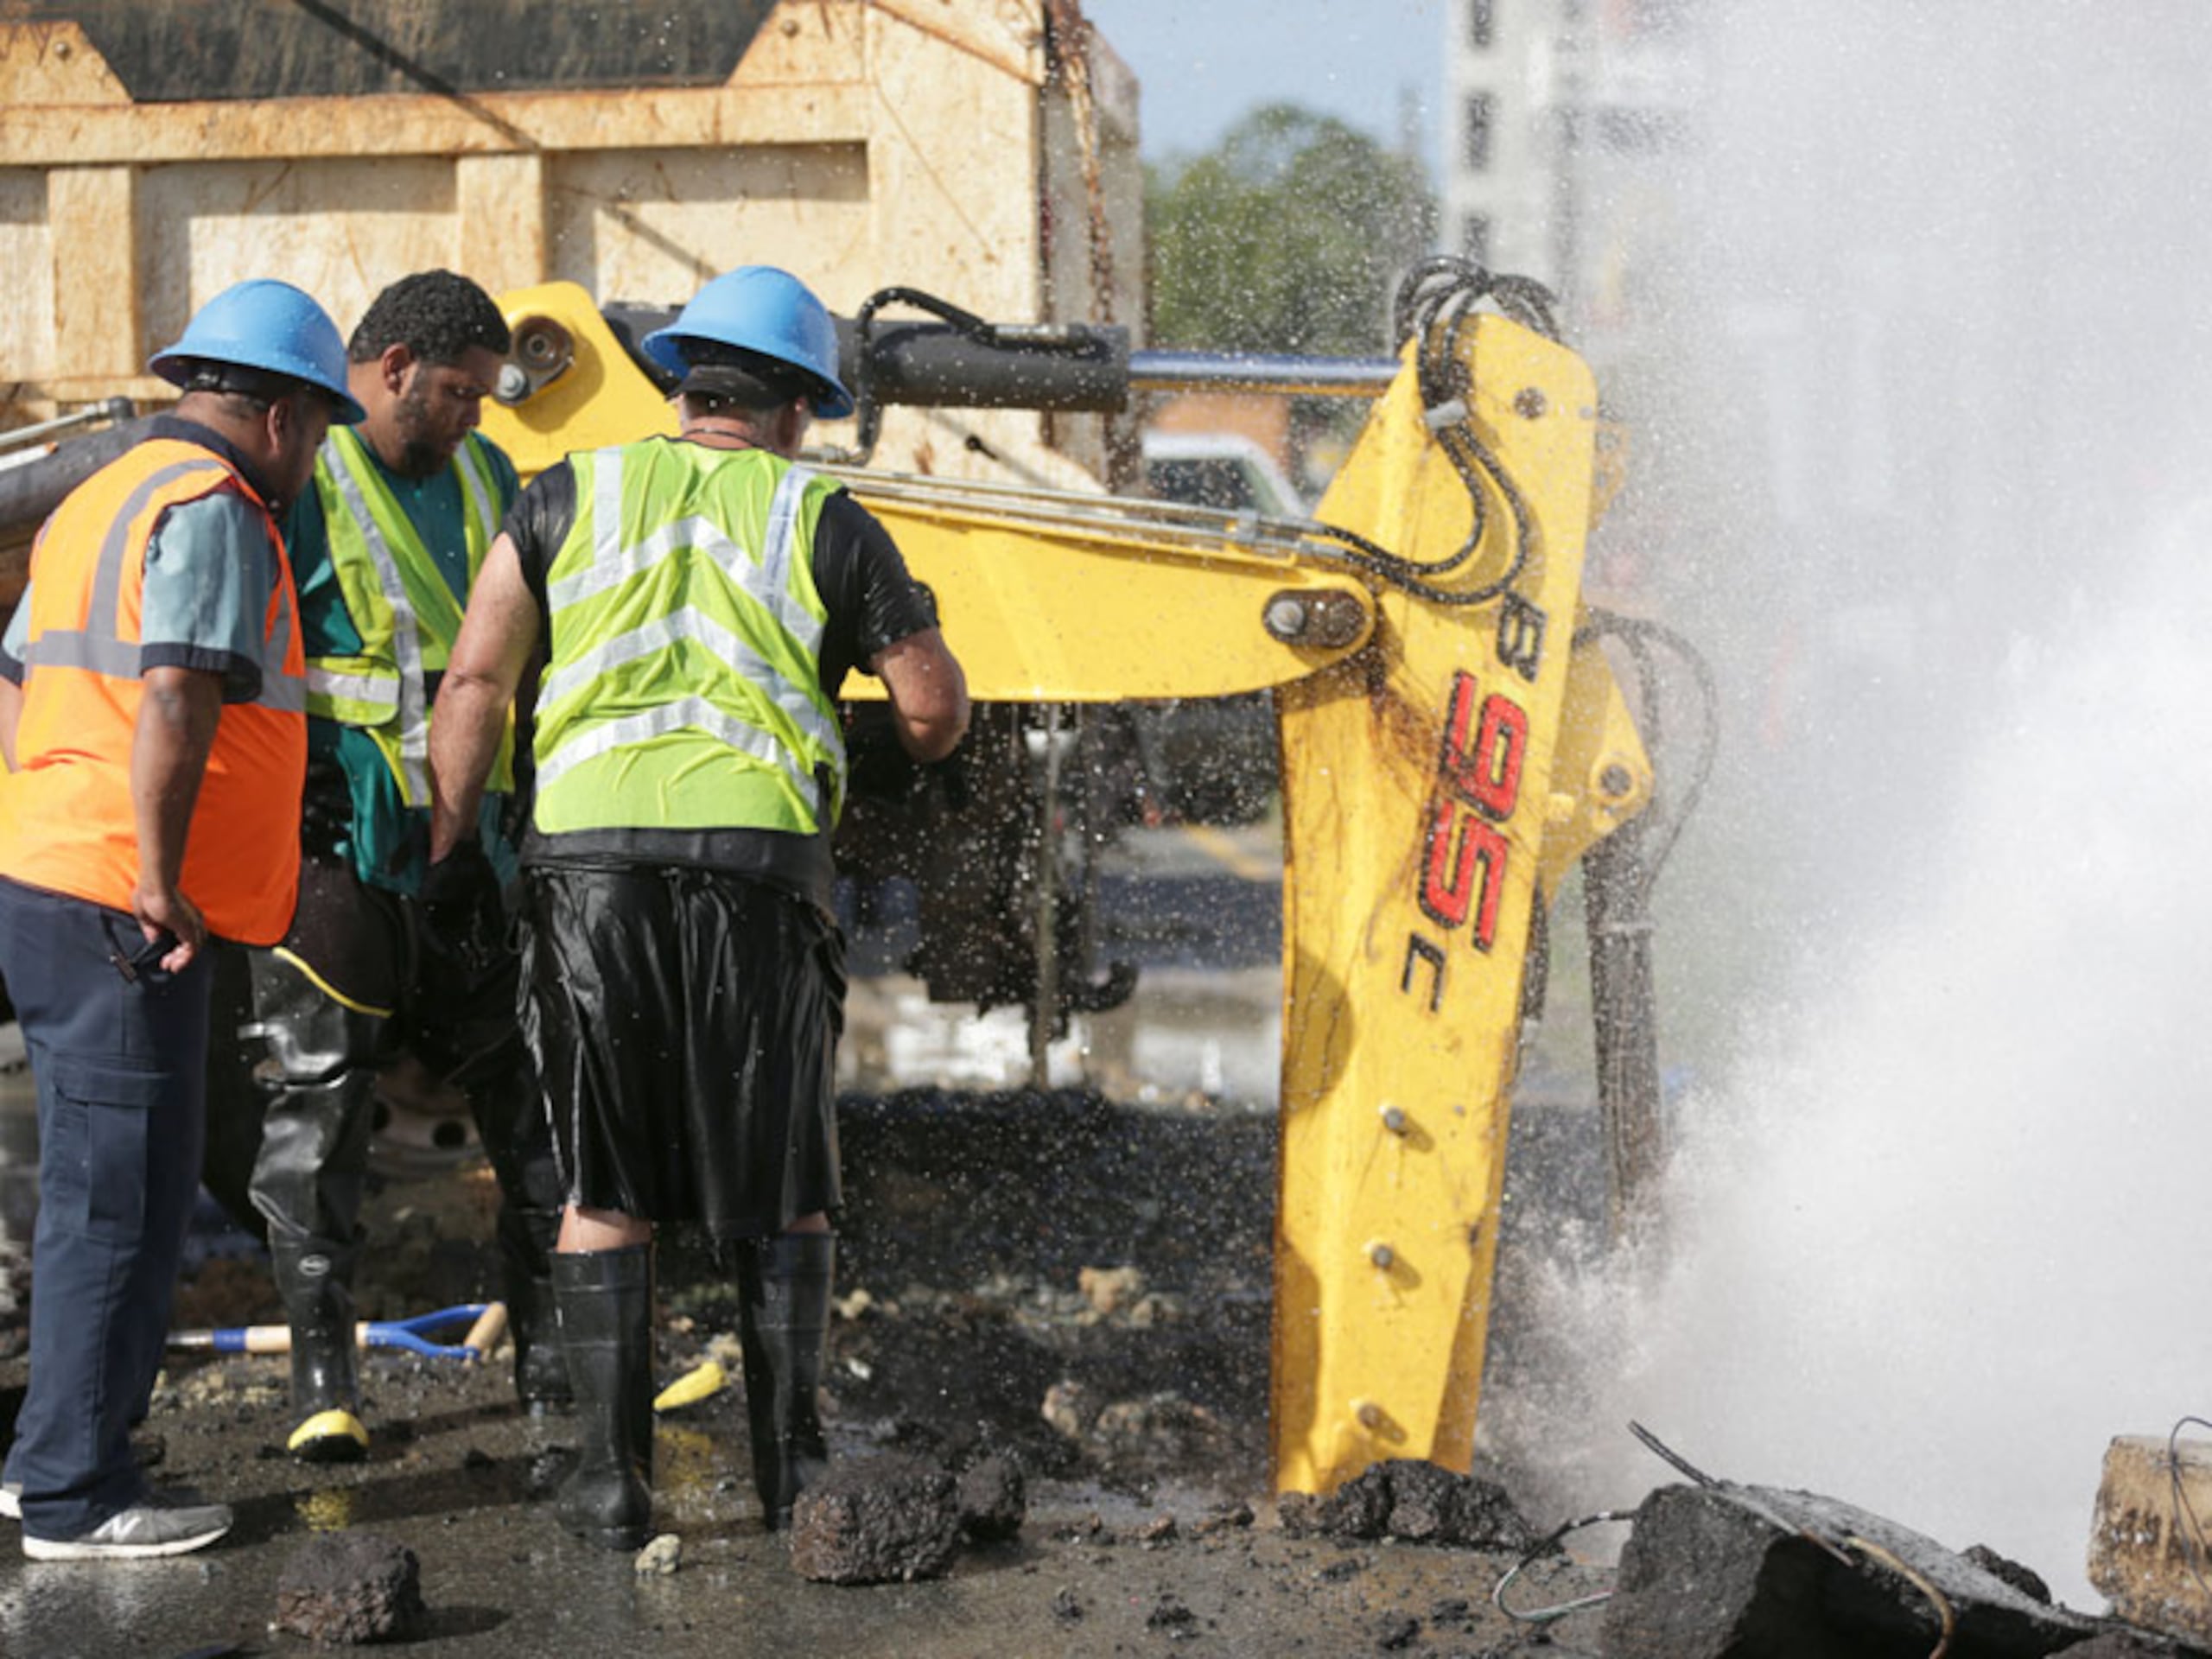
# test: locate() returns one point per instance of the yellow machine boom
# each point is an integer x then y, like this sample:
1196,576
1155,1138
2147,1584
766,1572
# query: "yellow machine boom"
1431,793
1450,745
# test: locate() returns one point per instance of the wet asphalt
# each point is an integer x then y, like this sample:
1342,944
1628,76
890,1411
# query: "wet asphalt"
459,1476
462,1477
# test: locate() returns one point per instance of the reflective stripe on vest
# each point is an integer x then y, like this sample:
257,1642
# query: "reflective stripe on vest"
401,609
686,648
67,822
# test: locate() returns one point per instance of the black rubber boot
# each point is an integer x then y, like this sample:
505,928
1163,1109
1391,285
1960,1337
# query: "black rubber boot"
525,1260
784,1309
307,1184
312,1283
606,1302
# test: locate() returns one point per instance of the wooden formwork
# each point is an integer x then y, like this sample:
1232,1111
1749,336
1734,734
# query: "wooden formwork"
985,151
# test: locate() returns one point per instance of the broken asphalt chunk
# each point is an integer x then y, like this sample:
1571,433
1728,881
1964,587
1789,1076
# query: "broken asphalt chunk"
1413,1500
1726,1571
877,1519
343,1589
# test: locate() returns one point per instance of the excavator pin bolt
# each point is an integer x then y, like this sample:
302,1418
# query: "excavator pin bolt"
1369,1413
1530,404
543,346
1286,618
1394,1120
1327,620
1615,780
1381,1255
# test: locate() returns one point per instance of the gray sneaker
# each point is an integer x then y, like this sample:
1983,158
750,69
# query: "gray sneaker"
146,1449
144,1530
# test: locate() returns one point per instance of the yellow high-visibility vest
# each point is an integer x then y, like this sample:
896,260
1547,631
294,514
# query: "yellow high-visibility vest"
406,615
683,685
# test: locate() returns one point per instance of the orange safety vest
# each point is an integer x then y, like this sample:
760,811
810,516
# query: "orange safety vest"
66,820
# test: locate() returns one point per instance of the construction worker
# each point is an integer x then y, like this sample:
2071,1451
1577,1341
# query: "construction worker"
699,601
151,695
404,506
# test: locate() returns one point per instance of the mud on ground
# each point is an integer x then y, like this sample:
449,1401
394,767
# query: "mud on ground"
1079,1285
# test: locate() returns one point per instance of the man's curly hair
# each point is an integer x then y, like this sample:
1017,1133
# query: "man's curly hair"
434,314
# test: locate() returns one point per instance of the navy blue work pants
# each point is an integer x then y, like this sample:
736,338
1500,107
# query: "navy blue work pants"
118,1050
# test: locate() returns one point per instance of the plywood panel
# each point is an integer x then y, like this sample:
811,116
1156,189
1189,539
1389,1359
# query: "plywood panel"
340,229
27,298
861,142
650,225
499,201
1008,36
52,63
92,212
958,228
492,124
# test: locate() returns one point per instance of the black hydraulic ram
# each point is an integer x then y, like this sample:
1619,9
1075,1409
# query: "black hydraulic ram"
36,475
955,360
1074,368
959,361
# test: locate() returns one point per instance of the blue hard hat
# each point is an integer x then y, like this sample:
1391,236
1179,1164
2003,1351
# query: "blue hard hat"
270,326
760,308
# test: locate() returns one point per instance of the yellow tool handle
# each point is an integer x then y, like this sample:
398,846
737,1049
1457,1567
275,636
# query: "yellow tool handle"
491,1325
702,1381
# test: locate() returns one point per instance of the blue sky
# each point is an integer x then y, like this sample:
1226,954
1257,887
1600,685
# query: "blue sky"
1203,63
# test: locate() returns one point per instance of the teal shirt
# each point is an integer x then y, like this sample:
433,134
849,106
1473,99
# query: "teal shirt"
388,841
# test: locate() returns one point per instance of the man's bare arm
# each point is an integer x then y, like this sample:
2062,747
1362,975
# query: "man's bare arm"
929,693
177,714
487,663
11,715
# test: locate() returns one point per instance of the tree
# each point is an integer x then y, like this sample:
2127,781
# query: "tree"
1287,237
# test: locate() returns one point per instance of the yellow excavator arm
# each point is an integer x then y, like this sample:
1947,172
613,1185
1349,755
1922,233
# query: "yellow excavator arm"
1451,743
1434,791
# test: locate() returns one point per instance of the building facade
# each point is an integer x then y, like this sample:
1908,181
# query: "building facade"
1562,117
